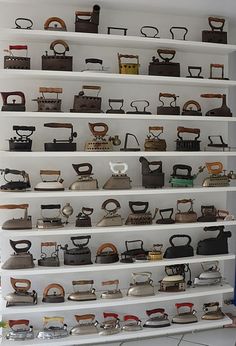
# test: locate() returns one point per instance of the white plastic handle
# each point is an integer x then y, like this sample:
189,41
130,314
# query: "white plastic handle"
118,167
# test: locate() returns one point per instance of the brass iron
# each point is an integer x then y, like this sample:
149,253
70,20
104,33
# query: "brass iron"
99,142
153,142
128,67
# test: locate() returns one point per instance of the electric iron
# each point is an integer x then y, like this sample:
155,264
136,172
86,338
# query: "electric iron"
20,330
52,260
83,219
111,293
210,276
47,222
131,323
141,288
86,325
58,295
212,311
157,318
175,279
53,328
54,184
21,296
20,223
85,180
15,186
21,258
83,295
111,218
119,179
185,317
111,324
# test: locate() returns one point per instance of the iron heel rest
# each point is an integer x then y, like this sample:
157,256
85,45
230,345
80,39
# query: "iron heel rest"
20,330
220,144
141,288
214,246
26,26
114,293
99,142
194,75
177,251
223,111
86,325
216,34
53,328
81,295
21,295
81,254
13,106
217,176
119,179
175,279
209,214
149,28
212,311
157,318
172,109
86,24
61,144
11,185
134,104
192,107
153,142
53,259
152,178
185,216
131,323
156,253
87,103
209,276
85,180
128,67
178,179
83,219
166,220
58,295
187,144
47,222
136,254
23,142
21,258
217,67
16,62
58,61
49,104
111,218
55,21
110,325
165,67
47,184
17,224
104,257
95,65
126,147
116,110
140,216
185,317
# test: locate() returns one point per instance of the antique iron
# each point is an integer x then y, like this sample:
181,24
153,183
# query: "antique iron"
157,318
153,142
156,253
83,295
17,223
187,144
47,184
126,147
137,110
223,111
53,259
55,21
127,67
192,69
183,28
111,218
165,220
177,251
95,65
140,216
220,144
85,181
111,324
217,67
209,214
15,185
16,62
214,246
217,176
188,316
216,34
104,257
23,142
141,288
210,276
172,109
114,293
116,110
21,295
13,106
137,253
20,330
87,103
67,211
188,108
53,328
49,104
131,323
165,67
99,142
86,325
90,22
61,144
212,311
83,219
21,258
183,180
149,28
152,178
58,61
110,28
47,222
175,279
28,26
185,216
119,179
58,295
80,254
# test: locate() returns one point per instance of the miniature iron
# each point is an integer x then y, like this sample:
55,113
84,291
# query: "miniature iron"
194,68
112,218
126,147
153,142
183,28
53,259
187,144
53,328
81,295
216,34
172,109
116,110
86,325
20,330
85,180
168,219
109,28
89,24
214,246
185,317
21,258
165,67
223,111
55,21
211,275
19,185
95,65
99,142
175,279
217,144
119,179
188,108
156,253
111,324
149,28
217,67
87,103
212,311
26,27
58,295
104,257
137,110
209,214
81,254
58,61
83,219
13,106
23,142
114,293
152,178
177,251
49,104
185,216
55,184
135,253
141,288
21,295
217,176
131,323
140,216
183,180
16,62
128,67
61,144
17,223
47,222
159,320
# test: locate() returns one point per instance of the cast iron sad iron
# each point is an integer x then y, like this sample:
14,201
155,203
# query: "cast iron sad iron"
131,323
53,328
58,61
152,178
53,259
175,279
212,311
13,106
196,75
90,22
141,288
183,28
116,110
209,214
216,34
223,111
111,218
95,65
166,220
192,107
133,104
111,324
114,293
210,276
85,180
55,21
128,67
58,295
150,29
172,109
187,144
156,253
104,257
99,142
26,26
214,246
119,179
47,222
20,330
83,219
19,185
140,216
47,184
165,67
220,144
214,67
183,180
81,254
23,142
153,142
157,318
49,104
81,295
61,144
87,103
185,317
86,325
21,258
217,176
17,223
126,147
135,254
177,251
185,216
16,62
21,295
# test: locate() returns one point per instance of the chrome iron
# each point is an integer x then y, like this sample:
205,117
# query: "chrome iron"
83,295
157,318
61,144
83,219
47,222
47,184
20,223
212,311
21,258
217,176
111,218
153,142
13,106
131,323
21,295
99,142
119,179
95,65
185,317
58,295
175,279
81,254
11,185
49,104
86,325
58,61
211,275
20,330
172,109
108,256
140,216
111,324
53,328
152,178
223,111
85,180
141,288
16,62
114,293
23,142
53,259
87,103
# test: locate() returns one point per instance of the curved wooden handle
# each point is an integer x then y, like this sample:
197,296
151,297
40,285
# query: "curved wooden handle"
84,317
49,243
110,282
54,19
25,288
183,201
166,51
50,90
188,130
53,285
216,19
12,323
101,133
83,13
14,206
211,96
128,56
104,246
210,167
49,172
56,42
192,102
217,65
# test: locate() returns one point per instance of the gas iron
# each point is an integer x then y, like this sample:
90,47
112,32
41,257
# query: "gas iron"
131,323
53,259
95,65
47,222
87,103
223,111
187,144
17,223
111,324
210,276
157,318
149,34
104,257
16,62
140,216
21,258
192,107
49,104
217,176
19,185
172,109
55,21
141,288
165,67
86,325
88,24
58,295
212,311
220,144
183,180
119,179
111,218
156,253
194,68
50,184
116,110
209,214
23,142
185,216
214,246
58,61
185,317
21,295
13,106
99,143
217,67
83,219
137,110
61,144
81,295
152,178
85,180
81,254
26,27
216,34
167,219
53,328
20,330
175,279
153,142
178,251
126,147
128,67
111,293
183,28
136,254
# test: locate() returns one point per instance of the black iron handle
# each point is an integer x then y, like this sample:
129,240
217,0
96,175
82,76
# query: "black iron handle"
166,210
18,26
182,167
180,236
14,244
214,228
133,241
156,31
178,28
132,104
77,168
79,238
23,128
138,204
93,61
50,206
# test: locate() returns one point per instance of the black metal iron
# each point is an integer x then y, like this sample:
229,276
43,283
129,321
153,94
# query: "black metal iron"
165,67
188,108
152,178
178,28
90,22
13,106
61,144
172,109
16,62
216,34
23,142
87,104
81,254
58,61
149,27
